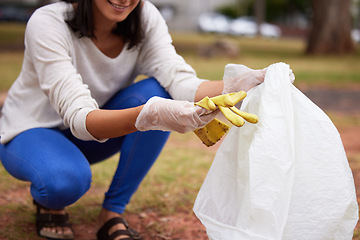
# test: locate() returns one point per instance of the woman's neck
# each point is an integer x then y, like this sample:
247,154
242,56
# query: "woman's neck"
103,27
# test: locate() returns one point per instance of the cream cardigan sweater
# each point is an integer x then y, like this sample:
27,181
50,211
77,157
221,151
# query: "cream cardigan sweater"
64,77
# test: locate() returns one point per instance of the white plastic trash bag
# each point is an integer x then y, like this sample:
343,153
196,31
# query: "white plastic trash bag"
286,177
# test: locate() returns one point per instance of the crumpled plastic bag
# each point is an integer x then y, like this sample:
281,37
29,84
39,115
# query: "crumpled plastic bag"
286,177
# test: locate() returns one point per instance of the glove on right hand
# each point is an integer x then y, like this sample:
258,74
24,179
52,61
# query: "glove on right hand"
239,77
172,115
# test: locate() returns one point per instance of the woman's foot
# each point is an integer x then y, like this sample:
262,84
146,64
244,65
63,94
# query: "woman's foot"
53,224
59,231
114,227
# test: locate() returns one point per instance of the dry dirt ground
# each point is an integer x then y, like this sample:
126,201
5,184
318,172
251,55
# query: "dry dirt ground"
185,225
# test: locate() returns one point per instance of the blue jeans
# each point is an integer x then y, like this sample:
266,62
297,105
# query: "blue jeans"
58,165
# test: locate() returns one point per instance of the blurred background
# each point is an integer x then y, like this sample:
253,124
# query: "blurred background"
319,39
267,18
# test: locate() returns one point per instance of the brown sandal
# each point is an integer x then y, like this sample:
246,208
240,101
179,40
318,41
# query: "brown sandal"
103,233
48,220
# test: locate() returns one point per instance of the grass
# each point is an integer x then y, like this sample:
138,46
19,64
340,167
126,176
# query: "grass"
10,66
12,34
177,177
258,53
333,70
173,182
171,186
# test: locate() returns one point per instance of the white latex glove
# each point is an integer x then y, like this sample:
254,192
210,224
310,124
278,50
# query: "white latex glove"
172,115
239,77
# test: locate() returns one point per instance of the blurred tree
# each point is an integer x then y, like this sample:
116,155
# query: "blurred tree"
259,14
44,2
276,10
331,28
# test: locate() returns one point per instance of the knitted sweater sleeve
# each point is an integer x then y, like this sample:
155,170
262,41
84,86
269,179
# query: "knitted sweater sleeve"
48,42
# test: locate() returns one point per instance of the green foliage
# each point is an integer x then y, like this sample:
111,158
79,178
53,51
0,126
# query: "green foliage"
279,9
232,10
275,9
236,10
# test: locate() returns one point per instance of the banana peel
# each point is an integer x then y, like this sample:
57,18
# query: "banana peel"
216,129
212,132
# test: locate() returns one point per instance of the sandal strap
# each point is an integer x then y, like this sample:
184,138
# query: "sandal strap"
114,221
118,233
44,220
52,220
103,233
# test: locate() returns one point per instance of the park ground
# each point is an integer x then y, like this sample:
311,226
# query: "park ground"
162,207
182,224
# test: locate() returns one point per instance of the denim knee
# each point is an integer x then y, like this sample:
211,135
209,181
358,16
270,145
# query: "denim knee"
58,190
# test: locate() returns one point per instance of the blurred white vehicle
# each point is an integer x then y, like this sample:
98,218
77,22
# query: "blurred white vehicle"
246,26
355,34
213,23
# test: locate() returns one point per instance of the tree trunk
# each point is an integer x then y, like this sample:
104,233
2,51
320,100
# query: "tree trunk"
259,14
331,28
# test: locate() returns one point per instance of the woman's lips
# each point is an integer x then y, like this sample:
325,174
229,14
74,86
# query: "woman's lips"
117,6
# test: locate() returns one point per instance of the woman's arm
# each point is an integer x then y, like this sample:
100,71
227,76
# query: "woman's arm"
103,124
210,89
157,114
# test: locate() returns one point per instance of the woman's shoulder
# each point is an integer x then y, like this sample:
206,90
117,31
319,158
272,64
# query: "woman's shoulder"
148,5
59,11
150,10
151,15
48,22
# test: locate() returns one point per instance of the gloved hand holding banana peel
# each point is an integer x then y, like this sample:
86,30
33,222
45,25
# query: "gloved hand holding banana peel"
213,131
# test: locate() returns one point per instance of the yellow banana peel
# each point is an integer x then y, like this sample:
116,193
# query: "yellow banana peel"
212,132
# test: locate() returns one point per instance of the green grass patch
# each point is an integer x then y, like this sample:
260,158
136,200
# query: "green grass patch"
175,179
354,161
345,120
12,33
8,183
171,185
258,53
10,66
20,218
356,235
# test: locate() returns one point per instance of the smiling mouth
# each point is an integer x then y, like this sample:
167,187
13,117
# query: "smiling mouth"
120,7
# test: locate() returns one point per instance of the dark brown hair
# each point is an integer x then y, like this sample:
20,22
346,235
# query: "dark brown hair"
82,22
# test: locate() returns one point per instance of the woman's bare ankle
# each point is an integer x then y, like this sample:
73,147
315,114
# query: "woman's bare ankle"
105,215
53,211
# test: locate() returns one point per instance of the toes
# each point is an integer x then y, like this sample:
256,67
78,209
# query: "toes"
57,230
